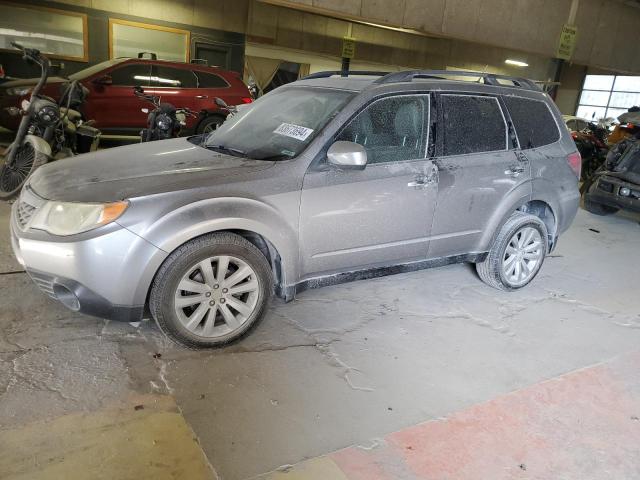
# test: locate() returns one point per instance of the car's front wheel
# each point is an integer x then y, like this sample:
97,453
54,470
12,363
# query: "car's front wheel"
211,291
517,253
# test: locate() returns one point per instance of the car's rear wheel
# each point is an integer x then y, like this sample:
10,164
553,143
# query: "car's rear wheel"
211,291
517,253
210,124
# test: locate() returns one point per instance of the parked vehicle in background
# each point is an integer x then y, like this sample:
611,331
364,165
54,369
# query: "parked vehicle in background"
164,121
591,141
47,130
616,185
111,101
324,180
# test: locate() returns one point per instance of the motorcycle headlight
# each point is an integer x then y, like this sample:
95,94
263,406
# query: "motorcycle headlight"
66,218
48,115
164,122
18,91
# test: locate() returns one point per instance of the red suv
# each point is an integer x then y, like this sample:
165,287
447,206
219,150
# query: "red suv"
115,109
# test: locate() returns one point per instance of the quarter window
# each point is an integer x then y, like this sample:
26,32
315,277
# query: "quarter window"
210,80
472,125
534,123
391,129
137,74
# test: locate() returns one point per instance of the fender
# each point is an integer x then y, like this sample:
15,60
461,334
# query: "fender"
509,204
39,145
564,201
172,228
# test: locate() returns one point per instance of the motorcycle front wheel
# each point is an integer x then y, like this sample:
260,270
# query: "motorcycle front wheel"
14,176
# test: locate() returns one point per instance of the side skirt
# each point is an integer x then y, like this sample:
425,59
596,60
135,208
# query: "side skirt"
289,292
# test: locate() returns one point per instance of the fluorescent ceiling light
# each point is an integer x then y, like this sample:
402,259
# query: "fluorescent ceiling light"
517,63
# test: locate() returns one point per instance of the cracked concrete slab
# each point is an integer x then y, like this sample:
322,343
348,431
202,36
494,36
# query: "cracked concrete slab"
341,365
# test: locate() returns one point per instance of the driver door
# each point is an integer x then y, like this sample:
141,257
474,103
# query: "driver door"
382,214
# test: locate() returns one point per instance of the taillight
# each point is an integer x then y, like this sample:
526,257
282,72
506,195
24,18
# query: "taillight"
575,162
574,135
246,99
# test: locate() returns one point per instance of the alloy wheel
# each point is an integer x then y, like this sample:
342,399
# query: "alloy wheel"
217,296
522,256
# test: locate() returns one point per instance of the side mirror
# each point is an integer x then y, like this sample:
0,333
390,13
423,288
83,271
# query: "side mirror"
221,103
347,155
103,80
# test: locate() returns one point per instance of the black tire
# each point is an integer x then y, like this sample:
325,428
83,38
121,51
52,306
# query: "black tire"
27,160
598,208
490,270
212,122
165,284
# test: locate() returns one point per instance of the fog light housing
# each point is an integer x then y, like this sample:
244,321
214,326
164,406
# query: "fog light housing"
624,191
66,297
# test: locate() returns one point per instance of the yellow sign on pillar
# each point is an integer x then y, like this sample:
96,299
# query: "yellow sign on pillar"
567,42
348,47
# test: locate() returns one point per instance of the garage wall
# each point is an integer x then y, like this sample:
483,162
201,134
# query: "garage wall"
288,29
608,29
98,29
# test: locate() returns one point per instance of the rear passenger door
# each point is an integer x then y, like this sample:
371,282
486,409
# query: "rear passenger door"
479,166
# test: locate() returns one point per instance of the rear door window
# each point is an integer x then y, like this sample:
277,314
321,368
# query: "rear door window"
163,76
391,129
133,74
210,80
533,121
472,124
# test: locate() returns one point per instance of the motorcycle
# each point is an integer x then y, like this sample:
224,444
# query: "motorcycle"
592,145
48,130
164,121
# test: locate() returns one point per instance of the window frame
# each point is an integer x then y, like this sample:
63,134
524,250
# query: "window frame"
439,129
154,75
125,65
149,26
196,72
426,126
85,31
560,127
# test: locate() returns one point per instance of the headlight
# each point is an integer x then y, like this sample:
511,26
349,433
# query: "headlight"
18,91
64,218
164,122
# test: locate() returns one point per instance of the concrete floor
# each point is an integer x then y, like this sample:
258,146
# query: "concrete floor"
340,366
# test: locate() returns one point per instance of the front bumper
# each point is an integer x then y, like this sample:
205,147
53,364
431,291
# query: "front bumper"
105,273
606,191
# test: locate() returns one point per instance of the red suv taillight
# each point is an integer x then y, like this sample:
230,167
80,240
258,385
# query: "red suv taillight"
246,99
575,162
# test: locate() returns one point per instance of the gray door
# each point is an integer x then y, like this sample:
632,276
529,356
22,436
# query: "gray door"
379,215
479,166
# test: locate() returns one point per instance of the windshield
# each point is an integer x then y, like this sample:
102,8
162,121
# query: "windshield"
87,72
279,125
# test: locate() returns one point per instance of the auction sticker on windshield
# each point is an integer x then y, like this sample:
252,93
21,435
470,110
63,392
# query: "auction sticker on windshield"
293,131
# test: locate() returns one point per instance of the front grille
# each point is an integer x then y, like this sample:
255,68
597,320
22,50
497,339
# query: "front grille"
24,213
44,282
28,205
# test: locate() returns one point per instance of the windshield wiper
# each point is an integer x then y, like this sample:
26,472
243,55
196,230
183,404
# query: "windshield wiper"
233,151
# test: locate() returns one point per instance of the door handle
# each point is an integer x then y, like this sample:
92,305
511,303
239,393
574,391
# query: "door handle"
417,183
199,97
514,170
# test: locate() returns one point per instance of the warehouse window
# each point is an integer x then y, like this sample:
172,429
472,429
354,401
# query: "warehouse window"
605,96
128,39
472,125
533,121
57,33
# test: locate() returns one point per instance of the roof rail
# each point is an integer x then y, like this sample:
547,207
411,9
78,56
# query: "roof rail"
487,78
331,73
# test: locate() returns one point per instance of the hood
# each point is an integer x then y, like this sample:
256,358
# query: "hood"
138,170
26,82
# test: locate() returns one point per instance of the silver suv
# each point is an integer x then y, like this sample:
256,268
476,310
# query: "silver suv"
324,180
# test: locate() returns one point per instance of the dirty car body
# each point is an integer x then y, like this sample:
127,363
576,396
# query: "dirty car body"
424,198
